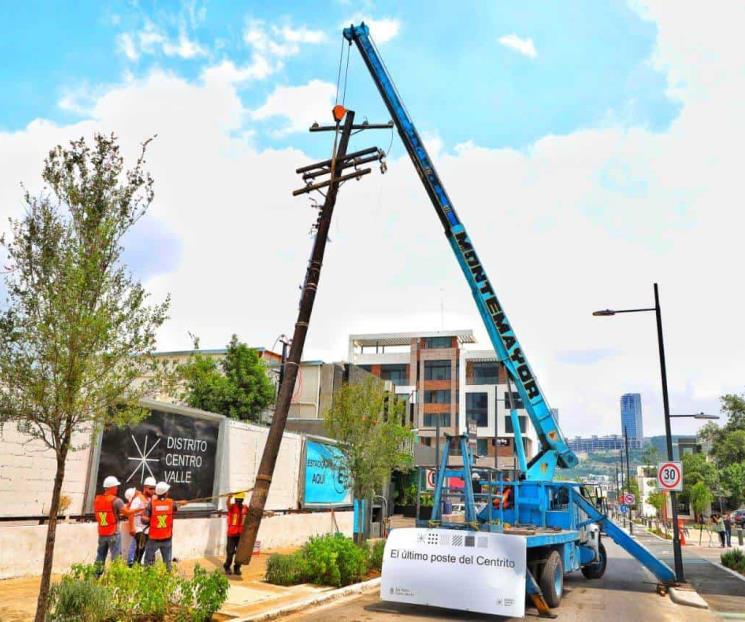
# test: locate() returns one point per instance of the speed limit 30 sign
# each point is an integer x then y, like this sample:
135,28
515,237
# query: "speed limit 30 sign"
670,475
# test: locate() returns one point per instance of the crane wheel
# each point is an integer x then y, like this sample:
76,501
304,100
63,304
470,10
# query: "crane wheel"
596,569
552,579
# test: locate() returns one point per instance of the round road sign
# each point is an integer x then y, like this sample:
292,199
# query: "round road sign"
624,508
670,475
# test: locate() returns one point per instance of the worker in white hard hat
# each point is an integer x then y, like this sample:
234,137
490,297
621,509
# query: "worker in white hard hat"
108,509
159,515
136,503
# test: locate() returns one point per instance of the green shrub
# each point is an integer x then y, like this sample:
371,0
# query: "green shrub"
79,600
326,560
376,555
734,559
287,569
136,594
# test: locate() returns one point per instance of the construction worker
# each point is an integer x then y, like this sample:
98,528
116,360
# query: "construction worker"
159,515
236,517
136,501
108,510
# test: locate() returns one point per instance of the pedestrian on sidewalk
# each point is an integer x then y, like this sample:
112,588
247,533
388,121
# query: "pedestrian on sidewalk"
718,523
236,517
728,529
159,515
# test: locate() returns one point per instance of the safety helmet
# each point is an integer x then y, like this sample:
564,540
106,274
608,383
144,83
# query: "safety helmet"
239,495
110,481
161,488
149,481
129,493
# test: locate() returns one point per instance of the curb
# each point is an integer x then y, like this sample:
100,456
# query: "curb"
271,614
687,597
732,572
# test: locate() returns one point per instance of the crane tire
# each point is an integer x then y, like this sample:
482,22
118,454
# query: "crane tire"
552,579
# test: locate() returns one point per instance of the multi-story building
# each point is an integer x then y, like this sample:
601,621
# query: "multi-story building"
448,385
593,444
631,419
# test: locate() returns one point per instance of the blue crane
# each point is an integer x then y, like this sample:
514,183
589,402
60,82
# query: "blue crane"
557,519
554,450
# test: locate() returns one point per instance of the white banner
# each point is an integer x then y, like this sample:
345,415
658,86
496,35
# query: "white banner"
464,570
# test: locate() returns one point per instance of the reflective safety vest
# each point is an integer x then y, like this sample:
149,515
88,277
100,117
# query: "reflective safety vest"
236,518
103,508
161,519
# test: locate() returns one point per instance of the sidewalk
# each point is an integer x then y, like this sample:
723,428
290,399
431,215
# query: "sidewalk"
723,592
248,594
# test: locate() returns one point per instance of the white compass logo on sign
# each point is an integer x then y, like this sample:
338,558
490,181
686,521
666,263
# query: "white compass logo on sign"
142,459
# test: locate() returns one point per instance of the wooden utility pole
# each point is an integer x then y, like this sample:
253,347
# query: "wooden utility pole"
333,167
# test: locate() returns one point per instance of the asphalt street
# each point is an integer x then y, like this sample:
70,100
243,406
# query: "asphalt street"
627,593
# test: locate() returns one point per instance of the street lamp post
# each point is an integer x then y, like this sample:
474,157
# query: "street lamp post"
628,480
677,554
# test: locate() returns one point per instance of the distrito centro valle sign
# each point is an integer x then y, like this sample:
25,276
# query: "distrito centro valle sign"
177,448
474,571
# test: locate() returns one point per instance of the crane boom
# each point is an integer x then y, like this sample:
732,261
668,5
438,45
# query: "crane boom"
554,449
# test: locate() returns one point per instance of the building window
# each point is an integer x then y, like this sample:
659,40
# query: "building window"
437,370
513,401
482,447
397,374
430,421
508,425
485,373
438,342
477,408
441,396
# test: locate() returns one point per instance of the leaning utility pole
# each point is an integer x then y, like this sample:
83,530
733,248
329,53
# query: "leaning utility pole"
338,162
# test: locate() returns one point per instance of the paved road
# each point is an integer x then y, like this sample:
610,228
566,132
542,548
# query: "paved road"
625,594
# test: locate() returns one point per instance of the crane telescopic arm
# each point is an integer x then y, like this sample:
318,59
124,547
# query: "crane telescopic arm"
554,449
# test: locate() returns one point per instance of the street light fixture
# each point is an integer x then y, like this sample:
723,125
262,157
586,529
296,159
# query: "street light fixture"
677,554
698,416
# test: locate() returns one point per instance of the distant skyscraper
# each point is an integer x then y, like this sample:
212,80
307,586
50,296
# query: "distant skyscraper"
631,419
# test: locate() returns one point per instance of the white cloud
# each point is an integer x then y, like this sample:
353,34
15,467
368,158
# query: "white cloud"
576,222
520,45
152,40
381,30
300,105
227,72
126,45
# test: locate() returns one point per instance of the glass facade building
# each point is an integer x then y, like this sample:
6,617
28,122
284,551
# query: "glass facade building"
631,419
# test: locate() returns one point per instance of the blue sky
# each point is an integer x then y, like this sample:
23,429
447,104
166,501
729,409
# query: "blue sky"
590,68
591,148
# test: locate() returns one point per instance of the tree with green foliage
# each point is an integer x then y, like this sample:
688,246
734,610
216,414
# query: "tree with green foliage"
657,501
733,482
236,386
76,332
729,448
696,468
734,407
700,497
367,422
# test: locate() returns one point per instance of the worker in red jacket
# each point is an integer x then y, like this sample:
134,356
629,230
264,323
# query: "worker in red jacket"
159,515
236,517
108,510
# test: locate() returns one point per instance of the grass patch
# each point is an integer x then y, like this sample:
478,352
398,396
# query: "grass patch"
735,560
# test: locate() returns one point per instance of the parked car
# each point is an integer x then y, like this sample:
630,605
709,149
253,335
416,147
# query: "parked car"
738,517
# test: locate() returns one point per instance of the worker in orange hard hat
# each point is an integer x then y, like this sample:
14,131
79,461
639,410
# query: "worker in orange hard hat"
236,517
